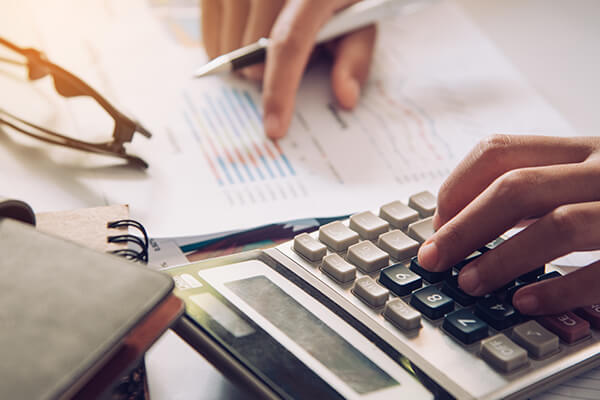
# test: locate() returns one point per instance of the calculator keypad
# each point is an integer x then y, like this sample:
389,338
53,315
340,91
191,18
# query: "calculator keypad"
451,288
370,292
310,248
398,245
568,326
400,280
503,353
373,260
431,302
465,326
497,313
368,225
337,236
402,315
424,202
421,230
338,268
399,215
432,277
368,257
590,314
538,341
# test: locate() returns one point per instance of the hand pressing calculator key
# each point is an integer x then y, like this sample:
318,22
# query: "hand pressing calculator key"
348,312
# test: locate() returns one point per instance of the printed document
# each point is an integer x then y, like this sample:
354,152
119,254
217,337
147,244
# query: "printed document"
436,88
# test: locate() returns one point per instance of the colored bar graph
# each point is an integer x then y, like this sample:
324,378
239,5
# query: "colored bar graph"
227,126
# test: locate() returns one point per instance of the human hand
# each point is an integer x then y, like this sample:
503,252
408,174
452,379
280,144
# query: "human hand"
292,26
502,181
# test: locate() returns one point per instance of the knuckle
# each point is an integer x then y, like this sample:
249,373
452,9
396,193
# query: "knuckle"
565,221
495,147
511,186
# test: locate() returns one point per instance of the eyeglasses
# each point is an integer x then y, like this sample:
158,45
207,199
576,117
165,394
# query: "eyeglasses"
69,85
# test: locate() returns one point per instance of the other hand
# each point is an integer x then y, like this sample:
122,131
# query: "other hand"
293,26
502,181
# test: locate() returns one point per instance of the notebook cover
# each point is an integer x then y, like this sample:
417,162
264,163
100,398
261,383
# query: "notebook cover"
64,309
135,345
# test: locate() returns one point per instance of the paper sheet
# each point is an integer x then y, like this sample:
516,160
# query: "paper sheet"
432,94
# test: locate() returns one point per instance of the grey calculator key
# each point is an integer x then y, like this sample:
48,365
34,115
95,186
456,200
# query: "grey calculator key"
368,225
368,257
309,247
503,353
421,230
398,214
398,245
402,315
370,292
337,236
424,203
338,268
535,338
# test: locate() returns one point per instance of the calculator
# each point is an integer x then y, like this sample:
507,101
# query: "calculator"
348,312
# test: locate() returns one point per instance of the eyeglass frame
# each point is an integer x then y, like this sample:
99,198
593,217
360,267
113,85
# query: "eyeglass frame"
38,67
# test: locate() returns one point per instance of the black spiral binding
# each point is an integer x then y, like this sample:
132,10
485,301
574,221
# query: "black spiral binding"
132,386
141,242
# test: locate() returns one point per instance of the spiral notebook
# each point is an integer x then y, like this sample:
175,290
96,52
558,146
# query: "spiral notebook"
70,310
99,228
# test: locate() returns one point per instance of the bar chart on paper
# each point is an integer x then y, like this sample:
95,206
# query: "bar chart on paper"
226,125
330,151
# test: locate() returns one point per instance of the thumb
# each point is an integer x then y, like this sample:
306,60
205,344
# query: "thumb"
353,56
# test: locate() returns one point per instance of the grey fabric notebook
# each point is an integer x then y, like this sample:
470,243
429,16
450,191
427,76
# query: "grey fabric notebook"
63,310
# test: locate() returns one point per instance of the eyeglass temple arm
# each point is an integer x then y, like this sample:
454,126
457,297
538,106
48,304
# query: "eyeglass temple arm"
125,127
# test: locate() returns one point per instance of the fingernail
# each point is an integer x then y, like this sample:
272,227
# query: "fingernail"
527,304
468,280
428,256
272,126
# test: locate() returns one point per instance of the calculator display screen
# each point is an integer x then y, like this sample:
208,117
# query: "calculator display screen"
312,334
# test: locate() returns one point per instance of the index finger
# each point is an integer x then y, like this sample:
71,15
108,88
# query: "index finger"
292,40
495,156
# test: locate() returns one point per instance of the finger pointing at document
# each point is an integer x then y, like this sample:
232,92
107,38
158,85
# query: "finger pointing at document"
292,26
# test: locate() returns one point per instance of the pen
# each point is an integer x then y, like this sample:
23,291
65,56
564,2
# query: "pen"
356,16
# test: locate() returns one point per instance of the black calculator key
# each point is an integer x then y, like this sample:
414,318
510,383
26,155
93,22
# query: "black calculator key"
505,288
497,313
549,275
431,302
473,256
400,280
429,276
451,288
531,276
465,326
512,290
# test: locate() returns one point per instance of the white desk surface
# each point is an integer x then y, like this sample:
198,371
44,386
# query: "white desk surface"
556,46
